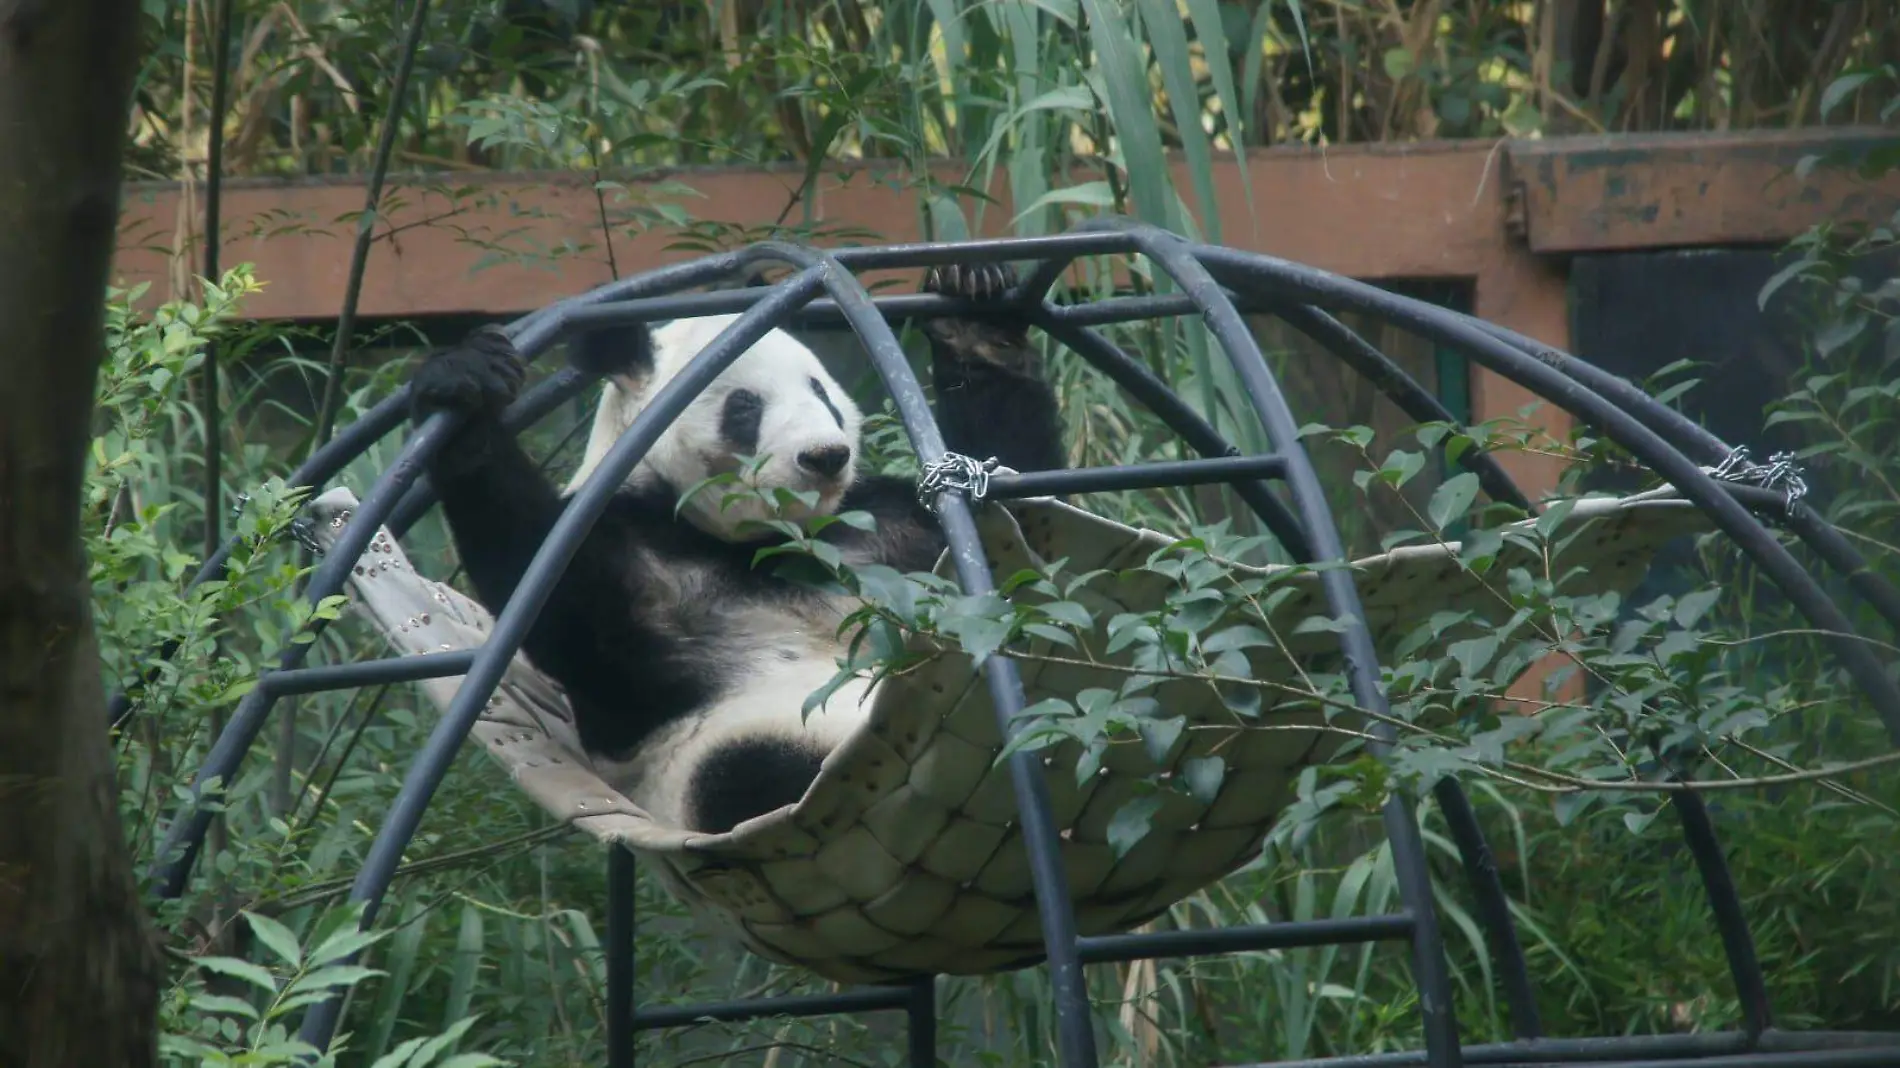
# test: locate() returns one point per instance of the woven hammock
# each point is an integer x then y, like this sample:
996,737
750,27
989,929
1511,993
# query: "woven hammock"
903,858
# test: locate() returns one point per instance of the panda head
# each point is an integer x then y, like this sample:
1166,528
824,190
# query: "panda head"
775,401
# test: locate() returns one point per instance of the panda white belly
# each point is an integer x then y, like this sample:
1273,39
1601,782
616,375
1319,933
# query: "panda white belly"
772,658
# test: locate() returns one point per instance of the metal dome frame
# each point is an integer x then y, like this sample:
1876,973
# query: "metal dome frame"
1215,283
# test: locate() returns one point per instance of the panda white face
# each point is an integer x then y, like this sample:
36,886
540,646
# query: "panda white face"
776,401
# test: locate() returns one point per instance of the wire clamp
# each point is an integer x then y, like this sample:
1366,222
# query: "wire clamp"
954,471
1779,472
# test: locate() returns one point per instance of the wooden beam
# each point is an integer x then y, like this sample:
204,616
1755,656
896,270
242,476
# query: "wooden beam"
1603,194
509,243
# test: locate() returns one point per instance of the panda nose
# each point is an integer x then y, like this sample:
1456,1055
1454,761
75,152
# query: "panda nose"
827,460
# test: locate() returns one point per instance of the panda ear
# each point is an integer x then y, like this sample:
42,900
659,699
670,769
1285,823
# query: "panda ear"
615,350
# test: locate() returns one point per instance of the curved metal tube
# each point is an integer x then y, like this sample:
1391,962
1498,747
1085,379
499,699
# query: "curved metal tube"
1172,255
1543,377
1694,439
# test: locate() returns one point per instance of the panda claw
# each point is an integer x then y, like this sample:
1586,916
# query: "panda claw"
981,281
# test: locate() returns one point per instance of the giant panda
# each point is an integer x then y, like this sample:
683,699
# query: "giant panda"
687,666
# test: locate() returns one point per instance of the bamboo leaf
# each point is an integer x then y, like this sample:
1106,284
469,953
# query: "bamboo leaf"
1168,38
1212,33
468,962
1131,108
404,950
1088,194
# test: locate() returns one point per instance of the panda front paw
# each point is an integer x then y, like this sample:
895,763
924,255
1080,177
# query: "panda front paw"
482,374
971,281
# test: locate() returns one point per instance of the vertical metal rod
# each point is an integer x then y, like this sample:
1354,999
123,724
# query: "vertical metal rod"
921,1015
1738,943
1173,256
1494,908
621,923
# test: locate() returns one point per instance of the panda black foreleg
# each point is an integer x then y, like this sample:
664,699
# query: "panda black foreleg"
992,399
500,509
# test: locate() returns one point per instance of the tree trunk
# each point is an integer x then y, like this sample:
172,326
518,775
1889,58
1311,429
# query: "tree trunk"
79,971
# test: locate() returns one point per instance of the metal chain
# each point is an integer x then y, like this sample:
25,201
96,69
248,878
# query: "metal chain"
303,530
1780,471
954,471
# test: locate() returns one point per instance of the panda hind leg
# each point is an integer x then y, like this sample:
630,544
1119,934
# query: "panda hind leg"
748,777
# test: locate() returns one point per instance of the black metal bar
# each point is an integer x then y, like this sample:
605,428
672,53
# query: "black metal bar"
1202,942
867,999
179,851
1542,376
1173,256
538,327
1074,1025
1679,430
1738,944
518,615
1481,870
1412,398
1494,908
1128,373
921,1009
901,307
214,225
367,673
620,975
1700,1049
1833,549
1842,1058
1134,476
1067,246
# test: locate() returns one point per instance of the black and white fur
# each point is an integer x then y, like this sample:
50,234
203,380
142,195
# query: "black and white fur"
685,665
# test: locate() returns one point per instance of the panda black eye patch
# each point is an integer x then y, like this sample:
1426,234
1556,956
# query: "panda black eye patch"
739,420
836,416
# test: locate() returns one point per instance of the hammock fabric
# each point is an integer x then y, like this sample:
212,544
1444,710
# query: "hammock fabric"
903,857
